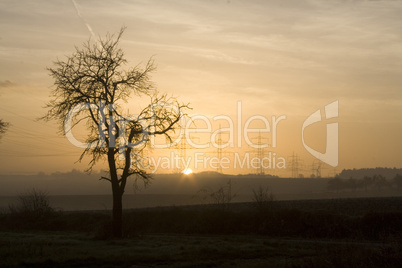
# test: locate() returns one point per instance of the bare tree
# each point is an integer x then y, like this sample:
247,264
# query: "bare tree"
263,199
92,87
221,197
33,203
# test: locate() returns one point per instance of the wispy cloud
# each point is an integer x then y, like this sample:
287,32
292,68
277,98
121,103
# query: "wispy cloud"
6,83
83,20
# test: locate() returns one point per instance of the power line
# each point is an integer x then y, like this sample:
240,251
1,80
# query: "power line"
260,153
24,117
219,150
294,164
316,169
182,148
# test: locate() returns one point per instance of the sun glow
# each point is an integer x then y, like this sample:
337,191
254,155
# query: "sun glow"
187,171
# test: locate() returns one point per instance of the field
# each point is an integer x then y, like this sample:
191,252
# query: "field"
310,233
72,249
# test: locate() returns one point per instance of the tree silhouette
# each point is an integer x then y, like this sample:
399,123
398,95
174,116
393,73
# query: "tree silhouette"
3,127
367,181
352,184
336,184
380,181
397,180
91,87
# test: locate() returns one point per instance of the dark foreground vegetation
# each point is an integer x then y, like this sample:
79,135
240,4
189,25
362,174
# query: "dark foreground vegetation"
312,233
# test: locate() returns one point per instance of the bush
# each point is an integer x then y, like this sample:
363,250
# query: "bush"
33,202
263,199
222,197
32,210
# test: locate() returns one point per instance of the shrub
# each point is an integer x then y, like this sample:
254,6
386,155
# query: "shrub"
33,203
263,199
221,198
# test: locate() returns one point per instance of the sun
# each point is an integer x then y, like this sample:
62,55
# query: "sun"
187,171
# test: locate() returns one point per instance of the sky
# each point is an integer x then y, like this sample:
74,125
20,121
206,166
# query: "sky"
272,58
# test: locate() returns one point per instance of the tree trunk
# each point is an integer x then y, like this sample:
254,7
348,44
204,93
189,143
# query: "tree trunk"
117,219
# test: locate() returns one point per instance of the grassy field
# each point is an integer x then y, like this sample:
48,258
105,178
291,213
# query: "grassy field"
77,249
310,233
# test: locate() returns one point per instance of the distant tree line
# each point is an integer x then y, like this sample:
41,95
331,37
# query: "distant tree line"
366,183
388,173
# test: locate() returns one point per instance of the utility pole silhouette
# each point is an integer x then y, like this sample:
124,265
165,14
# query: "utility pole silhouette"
219,150
316,169
260,153
182,147
334,173
294,164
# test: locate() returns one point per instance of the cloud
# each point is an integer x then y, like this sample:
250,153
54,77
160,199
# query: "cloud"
6,83
83,20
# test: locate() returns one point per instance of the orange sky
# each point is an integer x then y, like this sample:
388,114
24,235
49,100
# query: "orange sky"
275,57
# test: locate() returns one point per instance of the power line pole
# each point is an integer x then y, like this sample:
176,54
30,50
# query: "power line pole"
260,154
316,169
182,147
294,164
219,150
334,173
